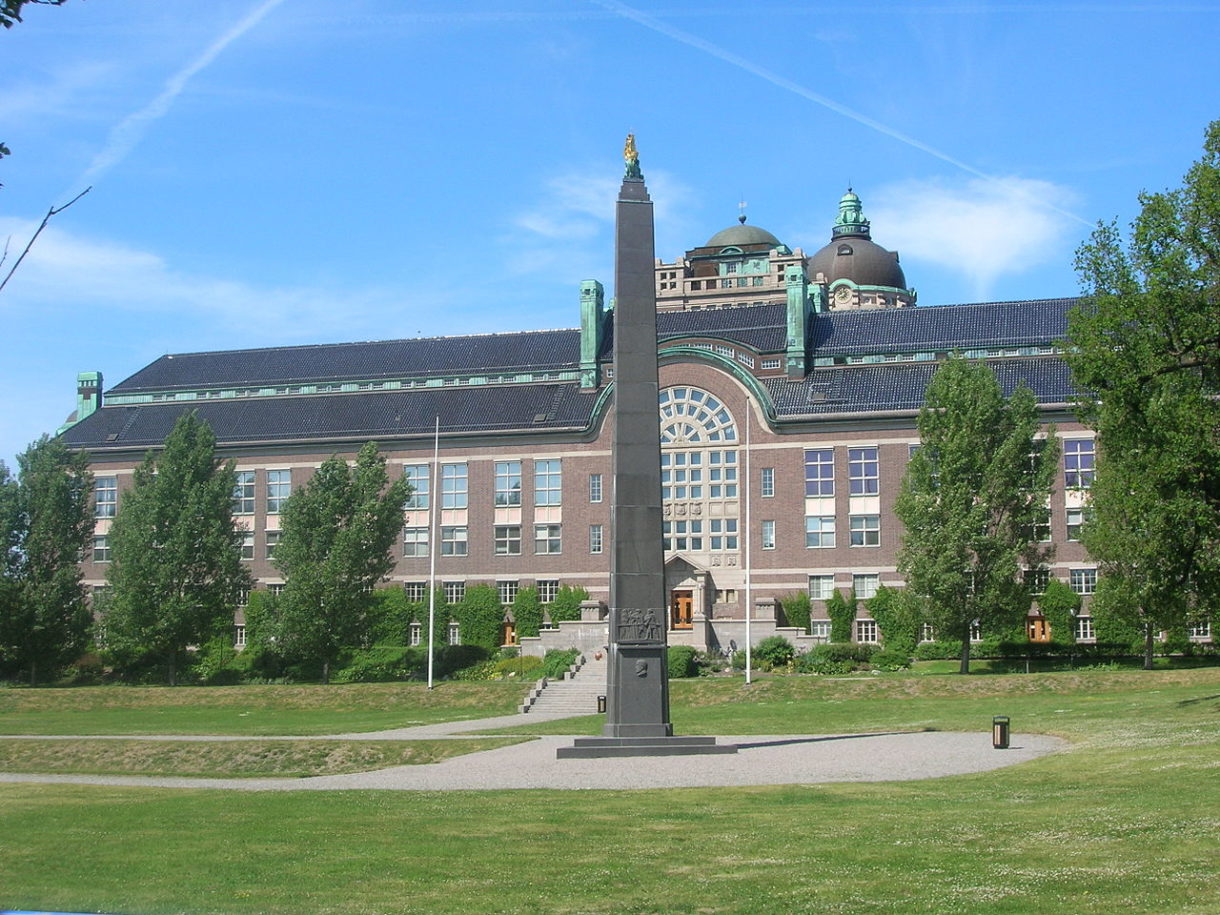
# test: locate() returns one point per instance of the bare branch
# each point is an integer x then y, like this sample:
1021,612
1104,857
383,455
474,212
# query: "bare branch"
54,211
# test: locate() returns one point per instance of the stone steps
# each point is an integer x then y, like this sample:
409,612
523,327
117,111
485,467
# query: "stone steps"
575,694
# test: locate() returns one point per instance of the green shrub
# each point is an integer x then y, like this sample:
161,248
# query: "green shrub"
796,609
566,605
555,663
1059,604
899,614
888,659
681,661
842,613
836,658
452,658
938,651
481,617
523,666
527,612
773,652
484,670
382,663
711,662
216,663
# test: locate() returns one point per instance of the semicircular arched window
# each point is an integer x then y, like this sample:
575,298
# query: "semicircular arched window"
693,416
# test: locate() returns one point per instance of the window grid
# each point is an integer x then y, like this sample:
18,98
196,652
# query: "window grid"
414,542
548,589
768,535
821,587
548,538
105,496
682,535
1083,581
766,482
866,631
1036,580
865,585
865,530
862,471
508,540
723,533
454,541
247,545
595,538
279,488
506,591
548,482
418,476
508,483
595,487
1078,466
1084,629
271,542
101,548
820,472
454,484
455,591
415,590
819,532
243,493
1075,521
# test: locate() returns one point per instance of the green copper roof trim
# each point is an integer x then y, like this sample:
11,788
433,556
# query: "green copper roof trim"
850,221
732,366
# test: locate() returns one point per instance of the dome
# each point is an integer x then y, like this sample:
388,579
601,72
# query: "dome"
741,235
860,260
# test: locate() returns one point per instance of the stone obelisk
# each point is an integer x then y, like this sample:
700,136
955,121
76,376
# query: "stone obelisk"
637,700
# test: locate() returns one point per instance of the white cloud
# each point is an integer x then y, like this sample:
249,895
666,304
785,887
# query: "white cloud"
980,229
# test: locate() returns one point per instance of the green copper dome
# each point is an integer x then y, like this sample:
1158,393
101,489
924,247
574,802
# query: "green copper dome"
741,235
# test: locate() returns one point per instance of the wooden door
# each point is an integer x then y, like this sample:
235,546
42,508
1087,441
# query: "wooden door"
1039,629
681,609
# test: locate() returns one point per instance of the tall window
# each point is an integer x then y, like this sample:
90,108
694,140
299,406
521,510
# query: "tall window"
414,541
548,589
454,591
454,541
862,471
768,535
1036,580
508,483
547,538
1075,521
508,540
865,585
279,488
453,487
766,482
866,631
417,476
595,487
1083,581
865,530
723,533
819,531
548,482
821,587
722,475
243,493
415,590
506,591
247,545
101,548
1084,629
273,540
1078,463
105,496
595,538
820,472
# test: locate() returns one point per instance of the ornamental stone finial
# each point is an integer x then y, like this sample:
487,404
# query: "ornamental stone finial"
631,157
851,219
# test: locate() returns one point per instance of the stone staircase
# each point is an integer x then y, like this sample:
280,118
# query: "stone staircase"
576,693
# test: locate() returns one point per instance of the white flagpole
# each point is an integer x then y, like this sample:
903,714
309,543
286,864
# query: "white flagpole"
433,489
748,533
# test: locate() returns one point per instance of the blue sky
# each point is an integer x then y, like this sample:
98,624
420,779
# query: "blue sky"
267,172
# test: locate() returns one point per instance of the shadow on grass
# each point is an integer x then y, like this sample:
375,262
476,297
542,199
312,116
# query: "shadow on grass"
791,741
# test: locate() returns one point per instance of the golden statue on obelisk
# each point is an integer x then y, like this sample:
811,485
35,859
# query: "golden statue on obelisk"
632,157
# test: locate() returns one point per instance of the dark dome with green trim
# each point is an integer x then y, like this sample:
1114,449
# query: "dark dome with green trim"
853,255
739,236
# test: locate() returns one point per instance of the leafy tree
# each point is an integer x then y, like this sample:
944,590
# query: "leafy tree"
842,613
527,611
797,609
1060,604
899,614
1146,352
392,616
176,572
47,521
481,616
566,605
335,541
10,10
970,500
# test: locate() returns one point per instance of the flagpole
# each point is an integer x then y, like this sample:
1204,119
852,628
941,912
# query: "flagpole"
432,545
749,535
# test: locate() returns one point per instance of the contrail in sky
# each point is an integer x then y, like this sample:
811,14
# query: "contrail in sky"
128,132
775,79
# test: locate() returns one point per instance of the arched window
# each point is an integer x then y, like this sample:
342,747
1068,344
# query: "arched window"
699,485
689,415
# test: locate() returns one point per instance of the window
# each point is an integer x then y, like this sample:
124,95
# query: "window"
273,540
726,595
820,629
239,637
453,486
681,475
1036,580
416,634
508,484
819,531
689,415
454,591
865,586
243,493
506,591
722,474
105,496
976,632
595,538
862,471
1040,530
768,535
866,631
508,540
417,476
1075,521
821,587
766,482
1200,631
414,541
279,487
595,487
415,590
865,530
1083,581
1078,463
682,535
820,472
548,588
454,634
927,633
724,533
276,589
454,541
247,545
548,482
547,538
101,548
1084,629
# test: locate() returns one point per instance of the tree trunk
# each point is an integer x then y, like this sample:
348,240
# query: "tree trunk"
173,668
33,673
1148,646
965,668
326,671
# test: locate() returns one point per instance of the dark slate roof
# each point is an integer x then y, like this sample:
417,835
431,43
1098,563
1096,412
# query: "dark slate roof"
763,327
545,350
940,327
405,413
901,386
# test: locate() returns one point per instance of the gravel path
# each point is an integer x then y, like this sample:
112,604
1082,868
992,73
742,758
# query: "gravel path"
761,760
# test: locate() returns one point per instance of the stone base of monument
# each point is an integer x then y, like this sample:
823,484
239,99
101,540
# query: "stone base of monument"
606,747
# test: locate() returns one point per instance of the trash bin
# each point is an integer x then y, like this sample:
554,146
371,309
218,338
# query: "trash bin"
601,705
999,732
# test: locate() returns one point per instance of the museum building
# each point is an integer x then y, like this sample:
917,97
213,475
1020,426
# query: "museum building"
787,381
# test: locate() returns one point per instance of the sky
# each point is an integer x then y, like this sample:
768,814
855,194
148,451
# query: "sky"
267,172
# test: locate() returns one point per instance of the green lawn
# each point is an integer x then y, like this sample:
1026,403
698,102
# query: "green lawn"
1127,820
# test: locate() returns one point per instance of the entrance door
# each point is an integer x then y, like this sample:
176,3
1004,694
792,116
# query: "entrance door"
681,609
508,633
1039,629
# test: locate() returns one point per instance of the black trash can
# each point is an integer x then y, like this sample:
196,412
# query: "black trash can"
999,732
601,705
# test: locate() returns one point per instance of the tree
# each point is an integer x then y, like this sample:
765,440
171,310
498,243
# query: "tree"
1146,355
480,616
842,613
337,532
527,611
797,609
1060,605
176,571
899,615
972,495
10,10
47,523
566,605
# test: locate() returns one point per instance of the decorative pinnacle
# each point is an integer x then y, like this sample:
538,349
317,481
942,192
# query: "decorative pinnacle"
851,219
631,157
741,212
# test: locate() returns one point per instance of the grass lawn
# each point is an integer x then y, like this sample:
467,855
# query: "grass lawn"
1127,820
